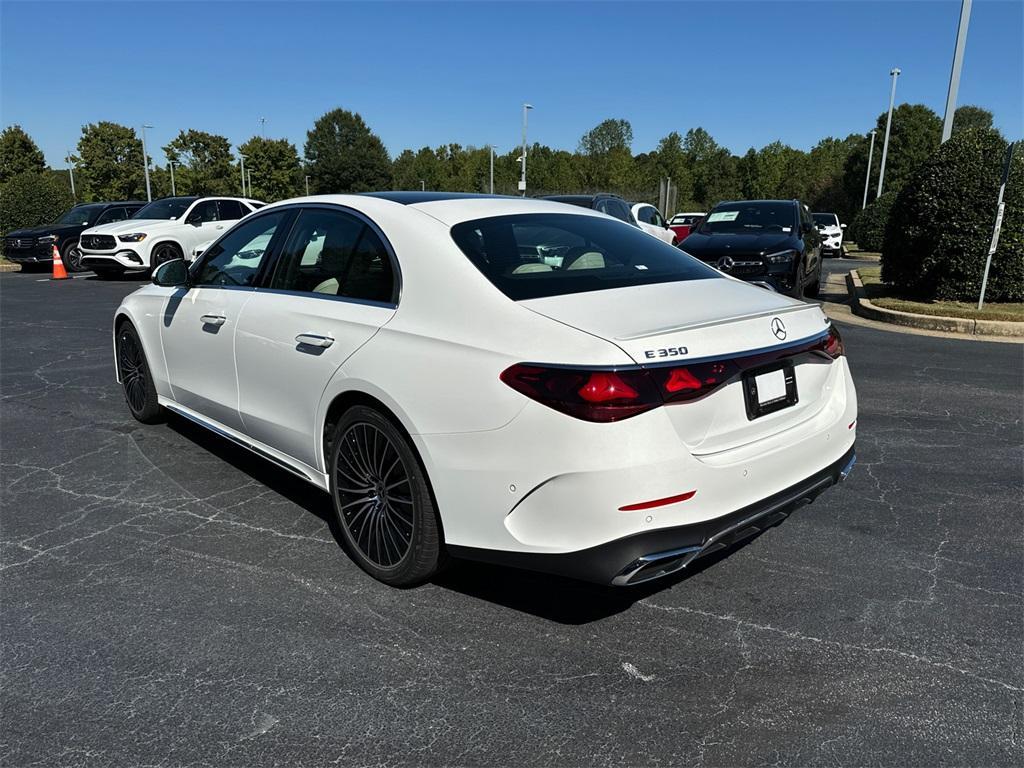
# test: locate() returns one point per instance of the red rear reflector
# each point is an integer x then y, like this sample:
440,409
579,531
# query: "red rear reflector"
657,502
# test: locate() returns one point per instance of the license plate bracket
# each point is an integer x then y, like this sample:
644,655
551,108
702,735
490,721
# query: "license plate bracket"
778,397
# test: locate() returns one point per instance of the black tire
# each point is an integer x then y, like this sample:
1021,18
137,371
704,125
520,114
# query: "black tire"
106,273
383,506
136,379
814,287
798,284
163,252
72,257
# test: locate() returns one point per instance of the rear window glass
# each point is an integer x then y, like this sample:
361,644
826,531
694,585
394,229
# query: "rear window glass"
530,256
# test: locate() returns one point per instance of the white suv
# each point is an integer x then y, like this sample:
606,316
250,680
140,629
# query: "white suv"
831,232
653,223
169,228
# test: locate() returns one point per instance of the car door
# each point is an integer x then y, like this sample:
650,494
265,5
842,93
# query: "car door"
200,320
202,224
332,288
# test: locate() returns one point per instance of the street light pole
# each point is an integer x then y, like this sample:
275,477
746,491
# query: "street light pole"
263,127
242,158
248,176
867,176
954,75
145,163
307,186
522,180
174,191
71,173
895,72
491,147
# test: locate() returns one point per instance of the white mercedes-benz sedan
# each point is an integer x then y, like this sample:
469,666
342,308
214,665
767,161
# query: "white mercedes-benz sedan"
503,379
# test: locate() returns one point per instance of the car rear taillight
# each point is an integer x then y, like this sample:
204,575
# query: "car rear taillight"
591,395
613,394
832,345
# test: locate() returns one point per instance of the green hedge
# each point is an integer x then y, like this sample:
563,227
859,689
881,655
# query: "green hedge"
941,224
32,199
868,228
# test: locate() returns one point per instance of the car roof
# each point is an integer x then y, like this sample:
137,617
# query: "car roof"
448,208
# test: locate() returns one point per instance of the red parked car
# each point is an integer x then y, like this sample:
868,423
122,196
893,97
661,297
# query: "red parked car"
683,223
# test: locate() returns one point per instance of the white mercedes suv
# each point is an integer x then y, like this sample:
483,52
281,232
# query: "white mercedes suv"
506,379
831,232
163,230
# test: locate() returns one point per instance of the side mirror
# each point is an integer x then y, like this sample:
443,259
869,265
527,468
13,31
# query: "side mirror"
842,226
171,274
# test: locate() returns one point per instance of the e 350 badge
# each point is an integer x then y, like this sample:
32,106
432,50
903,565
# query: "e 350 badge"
650,354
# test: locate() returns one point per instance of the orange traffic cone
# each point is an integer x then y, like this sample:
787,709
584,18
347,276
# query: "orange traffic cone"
59,273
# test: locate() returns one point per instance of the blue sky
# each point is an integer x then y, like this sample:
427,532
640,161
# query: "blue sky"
428,73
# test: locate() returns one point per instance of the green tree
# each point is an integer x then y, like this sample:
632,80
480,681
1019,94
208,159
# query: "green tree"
715,171
969,116
344,155
18,154
109,163
203,164
915,134
606,136
274,167
940,226
30,199
825,164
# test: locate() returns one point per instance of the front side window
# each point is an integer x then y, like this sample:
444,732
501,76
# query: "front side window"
334,254
656,218
203,212
643,214
750,217
111,215
168,208
529,256
236,258
80,214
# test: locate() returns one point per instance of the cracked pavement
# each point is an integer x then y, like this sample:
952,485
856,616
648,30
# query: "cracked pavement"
168,599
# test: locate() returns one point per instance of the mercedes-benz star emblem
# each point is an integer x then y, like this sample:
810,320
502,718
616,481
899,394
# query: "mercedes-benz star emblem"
725,263
778,328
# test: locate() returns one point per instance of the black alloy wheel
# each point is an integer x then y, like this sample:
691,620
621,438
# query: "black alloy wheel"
136,380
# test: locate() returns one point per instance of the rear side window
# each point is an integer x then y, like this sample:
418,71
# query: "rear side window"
111,215
334,254
231,210
530,256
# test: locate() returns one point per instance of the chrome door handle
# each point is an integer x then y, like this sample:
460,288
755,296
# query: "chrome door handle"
213,319
314,340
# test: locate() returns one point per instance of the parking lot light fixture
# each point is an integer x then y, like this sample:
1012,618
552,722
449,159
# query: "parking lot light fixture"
954,75
867,176
174,192
241,157
522,180
307,186
895,72
145,163
71,173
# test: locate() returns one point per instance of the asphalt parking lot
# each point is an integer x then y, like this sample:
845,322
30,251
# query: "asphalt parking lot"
169,599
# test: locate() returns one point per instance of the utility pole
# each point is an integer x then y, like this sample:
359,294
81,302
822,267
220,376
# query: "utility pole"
263,127
895,72
174,191
248,175
71,173
307,186
145,163
867,176
522,180
954,75
491,146
242,157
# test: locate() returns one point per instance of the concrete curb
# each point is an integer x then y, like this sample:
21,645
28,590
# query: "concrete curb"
863,307
10,267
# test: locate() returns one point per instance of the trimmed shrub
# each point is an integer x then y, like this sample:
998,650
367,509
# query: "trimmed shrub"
868,229
32,199
940,227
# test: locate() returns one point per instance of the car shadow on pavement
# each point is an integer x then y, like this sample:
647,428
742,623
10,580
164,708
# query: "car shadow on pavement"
560,599
553,598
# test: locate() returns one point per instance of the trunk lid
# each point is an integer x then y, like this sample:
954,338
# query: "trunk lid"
685,322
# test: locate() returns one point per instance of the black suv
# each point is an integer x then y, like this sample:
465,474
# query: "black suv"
613,205
35,245
773,243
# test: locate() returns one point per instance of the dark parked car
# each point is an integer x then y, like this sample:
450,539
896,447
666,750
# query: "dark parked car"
613,205
773,243
35,245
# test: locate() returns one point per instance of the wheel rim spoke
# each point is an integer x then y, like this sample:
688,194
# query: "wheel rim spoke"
133,372
367,470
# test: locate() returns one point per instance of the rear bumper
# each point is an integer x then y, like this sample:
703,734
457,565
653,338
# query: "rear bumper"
653,554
